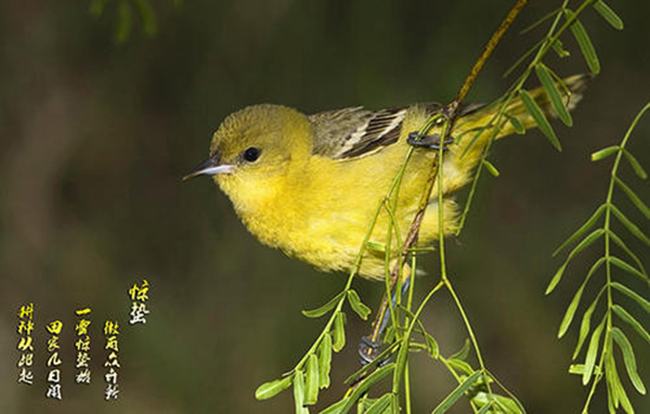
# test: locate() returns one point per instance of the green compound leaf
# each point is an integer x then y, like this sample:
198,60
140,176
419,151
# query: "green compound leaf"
608,14
325,361
554,95
357,306
586,226
629,359
584,43
644,303
629,319
272,388
604,153
322,310
458,392
540,119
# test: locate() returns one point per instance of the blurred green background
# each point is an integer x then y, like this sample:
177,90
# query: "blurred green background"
96,135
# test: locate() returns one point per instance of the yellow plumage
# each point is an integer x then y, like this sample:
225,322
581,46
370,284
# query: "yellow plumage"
316,205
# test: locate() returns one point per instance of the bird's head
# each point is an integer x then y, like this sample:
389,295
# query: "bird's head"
254,150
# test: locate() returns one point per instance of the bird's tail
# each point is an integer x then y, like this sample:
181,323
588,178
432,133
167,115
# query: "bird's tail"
517,118
471,133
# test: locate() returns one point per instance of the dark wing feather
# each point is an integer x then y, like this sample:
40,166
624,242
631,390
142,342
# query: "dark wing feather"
356,131
353,132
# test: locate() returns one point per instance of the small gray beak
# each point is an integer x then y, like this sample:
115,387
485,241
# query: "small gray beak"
209,167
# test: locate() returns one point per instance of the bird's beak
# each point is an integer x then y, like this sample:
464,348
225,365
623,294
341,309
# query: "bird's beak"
210,167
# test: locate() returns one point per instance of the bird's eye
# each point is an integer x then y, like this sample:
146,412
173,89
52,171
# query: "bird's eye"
252,154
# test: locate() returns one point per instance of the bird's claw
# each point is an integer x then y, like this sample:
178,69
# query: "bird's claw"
428,141
369,350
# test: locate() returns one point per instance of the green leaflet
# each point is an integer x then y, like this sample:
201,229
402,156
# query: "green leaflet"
629,359
630,226
325,361
491,168
451,399
272,388
299,392
645,304
608,14
540,119
149,24
357,306
559,49
554,95
625,316
604,153
614,237
585,326
380,405
322,310
635,164
377,375
585,226
584,43
516,123
626,267
432,346
643,207
462,353
570,312
592,351
338,333
312,380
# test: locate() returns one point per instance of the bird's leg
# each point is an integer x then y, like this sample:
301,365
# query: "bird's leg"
370,346
429,141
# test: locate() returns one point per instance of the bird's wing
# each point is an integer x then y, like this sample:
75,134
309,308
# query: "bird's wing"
356,131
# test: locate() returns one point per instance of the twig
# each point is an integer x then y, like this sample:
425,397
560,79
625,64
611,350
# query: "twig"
450,112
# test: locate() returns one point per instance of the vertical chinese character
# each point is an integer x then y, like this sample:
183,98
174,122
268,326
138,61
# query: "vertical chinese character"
139,295
54,328
25,344
82,345
111,334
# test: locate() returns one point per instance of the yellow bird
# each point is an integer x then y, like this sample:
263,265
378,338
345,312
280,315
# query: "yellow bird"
310,184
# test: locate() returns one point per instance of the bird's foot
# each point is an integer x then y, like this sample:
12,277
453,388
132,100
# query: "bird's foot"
429,141
369,350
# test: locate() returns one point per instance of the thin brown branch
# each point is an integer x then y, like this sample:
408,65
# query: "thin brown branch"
450,112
